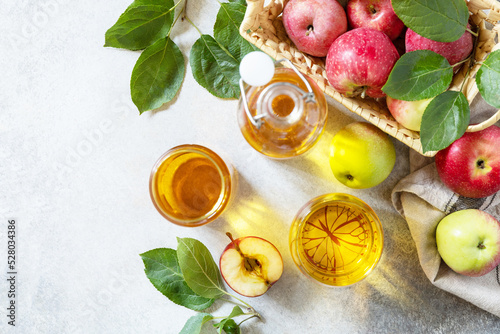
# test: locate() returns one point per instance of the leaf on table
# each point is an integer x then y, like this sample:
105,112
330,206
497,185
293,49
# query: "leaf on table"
214,68
226,30
442,21
488,79
419,75
157,75
199,268
163,270
445,119
228,324
143,23
195,323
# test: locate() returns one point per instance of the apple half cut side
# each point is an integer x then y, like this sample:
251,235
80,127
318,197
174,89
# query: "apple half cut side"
250,265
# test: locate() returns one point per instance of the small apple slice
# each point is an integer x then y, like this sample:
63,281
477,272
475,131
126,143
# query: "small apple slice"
250,265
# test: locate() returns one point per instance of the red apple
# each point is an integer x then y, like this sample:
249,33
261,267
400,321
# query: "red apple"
313,25
375,14
359,62
407,113
471,165
453,51
250,265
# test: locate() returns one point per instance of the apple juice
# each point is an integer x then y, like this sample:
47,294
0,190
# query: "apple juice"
336,239
290,125
190,185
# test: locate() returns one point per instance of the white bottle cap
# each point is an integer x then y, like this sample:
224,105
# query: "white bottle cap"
257,68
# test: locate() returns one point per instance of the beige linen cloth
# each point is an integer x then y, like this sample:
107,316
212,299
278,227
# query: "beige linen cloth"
423,200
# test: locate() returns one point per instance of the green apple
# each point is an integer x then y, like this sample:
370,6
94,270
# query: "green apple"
469,242
361,155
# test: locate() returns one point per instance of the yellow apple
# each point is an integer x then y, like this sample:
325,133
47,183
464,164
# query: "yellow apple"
361,155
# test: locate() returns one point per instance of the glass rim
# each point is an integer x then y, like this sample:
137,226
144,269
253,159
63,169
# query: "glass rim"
319,202
221,167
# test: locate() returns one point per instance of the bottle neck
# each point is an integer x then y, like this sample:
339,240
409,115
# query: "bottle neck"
281,104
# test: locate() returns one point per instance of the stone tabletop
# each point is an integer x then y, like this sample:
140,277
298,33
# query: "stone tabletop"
75,159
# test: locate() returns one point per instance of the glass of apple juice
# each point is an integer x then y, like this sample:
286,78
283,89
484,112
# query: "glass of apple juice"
336,239
190,185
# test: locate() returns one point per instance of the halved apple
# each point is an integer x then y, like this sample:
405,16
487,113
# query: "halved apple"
250,265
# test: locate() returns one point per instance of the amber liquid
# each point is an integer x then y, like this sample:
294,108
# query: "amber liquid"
191,187
274,141
337,244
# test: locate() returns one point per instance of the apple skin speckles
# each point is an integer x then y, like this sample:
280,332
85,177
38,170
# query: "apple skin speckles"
360,61
313,25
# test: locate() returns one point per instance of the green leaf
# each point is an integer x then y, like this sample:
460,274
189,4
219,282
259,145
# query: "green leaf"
228,324
418,75
214,68
445,119
442,21
157,75
199,268
488,79
195,323
162,269
226,30
143,23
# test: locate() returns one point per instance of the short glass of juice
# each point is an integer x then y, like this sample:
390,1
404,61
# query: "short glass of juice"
336,239
190,185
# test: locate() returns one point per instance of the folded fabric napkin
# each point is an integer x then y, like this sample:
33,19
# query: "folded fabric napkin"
423,200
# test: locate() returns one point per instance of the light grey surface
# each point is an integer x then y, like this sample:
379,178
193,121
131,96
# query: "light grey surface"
75,158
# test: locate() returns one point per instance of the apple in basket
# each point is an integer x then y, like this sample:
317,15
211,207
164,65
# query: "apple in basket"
250,265
375,14
468,241
313,25
470,166
360,61
454,52
407,113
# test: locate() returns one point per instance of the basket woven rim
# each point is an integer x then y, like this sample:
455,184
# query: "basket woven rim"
262,27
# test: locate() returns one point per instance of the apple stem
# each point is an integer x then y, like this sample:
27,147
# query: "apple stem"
472,32
253,316
234,243
245,305
310,29
480,164
363,92
372,9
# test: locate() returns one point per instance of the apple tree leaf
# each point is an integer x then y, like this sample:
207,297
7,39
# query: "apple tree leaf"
157,76
226,30
419,75
442,21
445,119
214,68
195,323
199,268
228,324
143,23
488,79
162,269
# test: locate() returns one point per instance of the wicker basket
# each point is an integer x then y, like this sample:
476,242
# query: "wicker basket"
263,27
